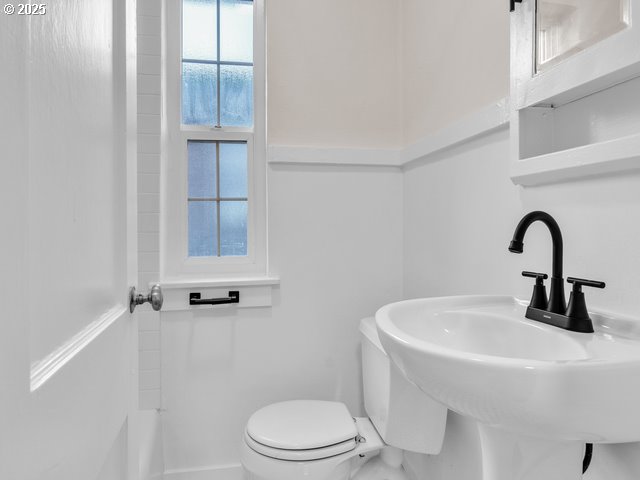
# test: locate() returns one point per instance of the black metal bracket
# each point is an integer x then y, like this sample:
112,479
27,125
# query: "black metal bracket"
195,299
512,4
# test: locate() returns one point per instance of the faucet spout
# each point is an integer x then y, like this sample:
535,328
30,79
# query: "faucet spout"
557,303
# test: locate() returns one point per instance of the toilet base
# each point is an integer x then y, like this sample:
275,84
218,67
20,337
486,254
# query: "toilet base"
385,466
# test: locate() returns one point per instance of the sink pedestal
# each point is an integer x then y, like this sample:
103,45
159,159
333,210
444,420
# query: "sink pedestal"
510,456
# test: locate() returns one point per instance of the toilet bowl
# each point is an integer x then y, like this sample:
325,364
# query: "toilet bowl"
320,440
322,453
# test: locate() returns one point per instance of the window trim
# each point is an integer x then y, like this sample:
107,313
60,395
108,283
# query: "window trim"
176,264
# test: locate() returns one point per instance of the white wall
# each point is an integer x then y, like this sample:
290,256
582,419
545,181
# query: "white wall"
460,212
333,73
335,241
151,461
464,241
149,108
455,60
450,219
115,464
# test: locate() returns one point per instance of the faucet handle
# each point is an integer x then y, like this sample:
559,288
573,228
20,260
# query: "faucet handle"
538,276
578,283
539,298
577,309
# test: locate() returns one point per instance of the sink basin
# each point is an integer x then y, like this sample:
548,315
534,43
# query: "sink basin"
482,358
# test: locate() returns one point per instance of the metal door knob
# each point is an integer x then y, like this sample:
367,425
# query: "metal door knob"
154,297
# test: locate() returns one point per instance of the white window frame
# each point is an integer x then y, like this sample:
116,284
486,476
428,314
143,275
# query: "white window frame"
176,264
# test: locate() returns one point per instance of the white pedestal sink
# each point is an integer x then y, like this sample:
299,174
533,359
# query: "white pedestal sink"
538,392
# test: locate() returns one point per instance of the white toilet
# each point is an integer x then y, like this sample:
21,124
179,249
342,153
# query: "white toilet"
320,440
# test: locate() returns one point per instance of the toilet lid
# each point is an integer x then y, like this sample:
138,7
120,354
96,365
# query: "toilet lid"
302,425
300,455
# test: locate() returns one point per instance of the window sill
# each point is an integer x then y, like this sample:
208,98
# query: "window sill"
255,291
220,282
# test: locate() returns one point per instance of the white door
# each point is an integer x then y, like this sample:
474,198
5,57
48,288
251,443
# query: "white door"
67,245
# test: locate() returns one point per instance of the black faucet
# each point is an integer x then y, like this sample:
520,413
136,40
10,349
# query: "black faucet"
555,312
557,303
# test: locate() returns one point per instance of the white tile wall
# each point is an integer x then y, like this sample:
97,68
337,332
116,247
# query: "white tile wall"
148,322
149,162
148,242
148,183
148,223
148,203
148,8
149,108
149,341
149,84
149,103
148,64
148,143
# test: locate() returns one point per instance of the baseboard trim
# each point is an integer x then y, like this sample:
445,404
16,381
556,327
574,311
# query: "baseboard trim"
221,472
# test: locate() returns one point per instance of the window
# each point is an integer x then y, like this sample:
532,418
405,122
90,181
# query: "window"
217,91
215,116
217,200
563,29
217,62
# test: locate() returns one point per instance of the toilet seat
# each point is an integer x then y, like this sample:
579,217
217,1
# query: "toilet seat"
300,455
302,430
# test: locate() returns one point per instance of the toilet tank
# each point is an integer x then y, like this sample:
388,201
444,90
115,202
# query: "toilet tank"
403,415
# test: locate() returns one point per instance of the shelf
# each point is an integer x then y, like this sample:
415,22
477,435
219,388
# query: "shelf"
612,156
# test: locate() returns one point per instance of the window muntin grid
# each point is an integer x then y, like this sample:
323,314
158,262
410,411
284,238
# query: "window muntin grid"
217,69
217,203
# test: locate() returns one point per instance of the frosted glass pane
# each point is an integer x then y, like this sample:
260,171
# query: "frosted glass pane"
203,236
233,229
233,170
199,19
199,97
236,31
564,27
236,96
202,169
